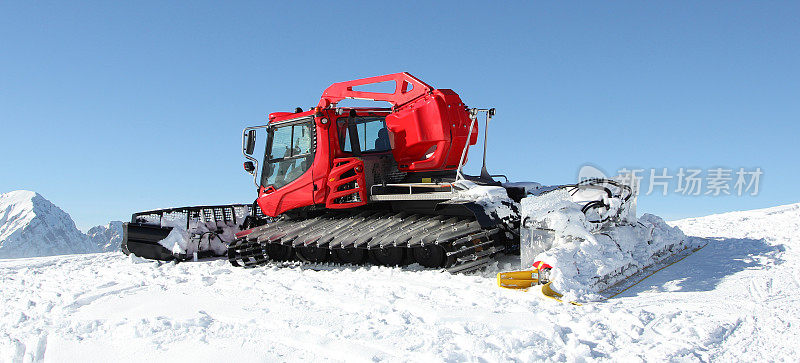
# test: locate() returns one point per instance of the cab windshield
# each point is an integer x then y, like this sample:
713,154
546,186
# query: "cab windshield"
290,152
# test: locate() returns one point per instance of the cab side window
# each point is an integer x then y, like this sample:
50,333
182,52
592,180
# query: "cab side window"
372,134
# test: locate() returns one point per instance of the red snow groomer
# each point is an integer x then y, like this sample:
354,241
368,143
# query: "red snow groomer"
352,184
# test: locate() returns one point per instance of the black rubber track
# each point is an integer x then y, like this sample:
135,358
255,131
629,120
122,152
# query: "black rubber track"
379,237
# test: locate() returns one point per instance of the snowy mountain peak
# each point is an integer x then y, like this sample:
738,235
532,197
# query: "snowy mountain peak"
31,225
17,209
19,195
108,237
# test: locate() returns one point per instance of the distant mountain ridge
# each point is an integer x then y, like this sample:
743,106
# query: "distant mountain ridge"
107,237
755,223
31,226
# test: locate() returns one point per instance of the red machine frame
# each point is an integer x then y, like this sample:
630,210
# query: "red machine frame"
428,130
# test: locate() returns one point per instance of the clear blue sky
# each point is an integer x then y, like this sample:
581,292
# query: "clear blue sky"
107,108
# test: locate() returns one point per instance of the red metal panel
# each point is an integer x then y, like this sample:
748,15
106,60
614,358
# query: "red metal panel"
337,181
296,194
430,132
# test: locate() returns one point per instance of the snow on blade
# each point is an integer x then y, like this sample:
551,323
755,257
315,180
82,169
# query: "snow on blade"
193,235
493,199
587,255
588,258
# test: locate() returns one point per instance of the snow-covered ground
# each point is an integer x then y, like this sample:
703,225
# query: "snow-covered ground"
736,299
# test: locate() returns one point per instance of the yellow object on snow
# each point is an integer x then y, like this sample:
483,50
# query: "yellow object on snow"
526,279
518,279
555,295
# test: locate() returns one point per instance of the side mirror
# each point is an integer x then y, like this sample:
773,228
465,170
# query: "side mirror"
250,143
249,167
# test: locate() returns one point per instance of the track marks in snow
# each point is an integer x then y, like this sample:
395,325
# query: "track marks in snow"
83,298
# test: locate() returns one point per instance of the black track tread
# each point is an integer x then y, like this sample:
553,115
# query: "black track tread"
285,232
305,236
376,230
393,236
335,240
466,244
405,235
323,236
431,232
353,237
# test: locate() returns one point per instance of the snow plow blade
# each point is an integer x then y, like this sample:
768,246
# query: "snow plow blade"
142,240
202,229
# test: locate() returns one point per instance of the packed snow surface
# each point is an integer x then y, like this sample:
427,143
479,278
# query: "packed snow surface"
737,299
30,225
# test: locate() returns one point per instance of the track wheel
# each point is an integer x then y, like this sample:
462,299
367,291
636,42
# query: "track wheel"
353,256
314,254
390,256
279,252
430,256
